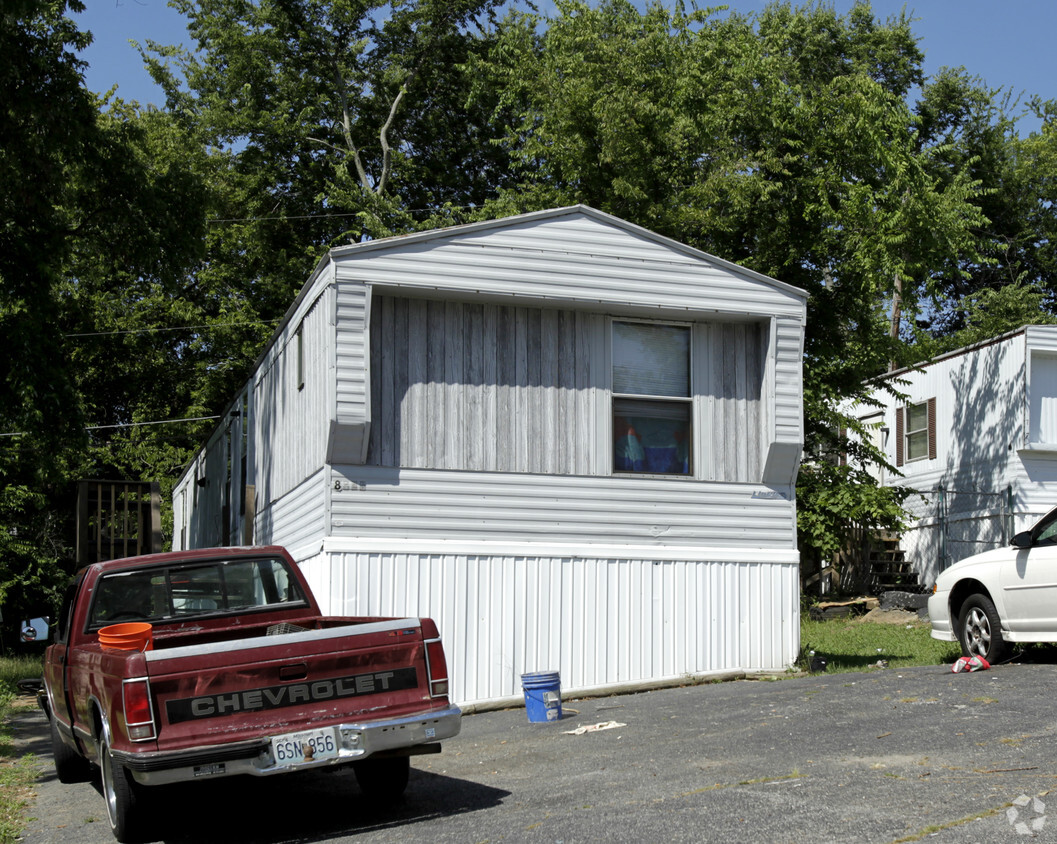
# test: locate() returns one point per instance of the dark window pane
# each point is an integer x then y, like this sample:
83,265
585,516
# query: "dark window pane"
651,437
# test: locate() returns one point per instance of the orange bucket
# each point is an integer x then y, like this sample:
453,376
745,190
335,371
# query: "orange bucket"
131,636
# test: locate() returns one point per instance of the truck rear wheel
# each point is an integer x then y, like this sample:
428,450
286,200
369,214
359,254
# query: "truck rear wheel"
70,766
383,779
124,798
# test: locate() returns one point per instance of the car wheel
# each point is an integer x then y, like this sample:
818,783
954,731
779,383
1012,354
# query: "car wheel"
124,798
70,766
980,629
383,779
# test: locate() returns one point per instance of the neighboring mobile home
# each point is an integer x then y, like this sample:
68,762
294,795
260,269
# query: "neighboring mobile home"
976,435
569,440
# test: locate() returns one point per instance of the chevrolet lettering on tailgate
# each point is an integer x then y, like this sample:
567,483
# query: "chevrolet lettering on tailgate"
275,697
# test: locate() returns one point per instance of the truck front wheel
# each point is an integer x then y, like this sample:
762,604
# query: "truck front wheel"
124,797
384,779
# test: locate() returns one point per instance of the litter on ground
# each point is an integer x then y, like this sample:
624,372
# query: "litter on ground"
594,728
970,663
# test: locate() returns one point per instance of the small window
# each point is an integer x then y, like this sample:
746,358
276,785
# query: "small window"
652,409
300,357
916,432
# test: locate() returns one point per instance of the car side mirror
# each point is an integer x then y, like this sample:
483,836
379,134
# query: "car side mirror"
34,630
1022,539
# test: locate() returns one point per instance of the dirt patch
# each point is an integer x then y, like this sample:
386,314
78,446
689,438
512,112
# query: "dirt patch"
879,616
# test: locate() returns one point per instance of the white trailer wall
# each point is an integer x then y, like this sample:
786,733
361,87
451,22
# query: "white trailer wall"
599,616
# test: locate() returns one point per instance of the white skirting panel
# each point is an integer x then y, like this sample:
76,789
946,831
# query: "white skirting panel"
598,620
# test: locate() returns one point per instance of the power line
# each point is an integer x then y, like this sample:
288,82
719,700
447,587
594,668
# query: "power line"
173,328
156,422
132,424
279,217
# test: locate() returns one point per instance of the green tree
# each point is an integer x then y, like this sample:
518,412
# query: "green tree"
135,322
45,136
329,121
970,128
1010,281
98,227
1034,176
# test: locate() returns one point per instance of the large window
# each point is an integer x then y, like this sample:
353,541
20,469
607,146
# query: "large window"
652,408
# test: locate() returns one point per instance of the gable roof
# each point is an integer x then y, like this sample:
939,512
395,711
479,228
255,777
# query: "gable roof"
469,230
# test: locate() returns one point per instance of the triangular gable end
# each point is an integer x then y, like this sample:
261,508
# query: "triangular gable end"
566,256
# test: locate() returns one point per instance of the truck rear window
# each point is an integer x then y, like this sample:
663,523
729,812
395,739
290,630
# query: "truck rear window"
193,589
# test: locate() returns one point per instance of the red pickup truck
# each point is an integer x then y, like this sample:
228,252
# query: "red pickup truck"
240,673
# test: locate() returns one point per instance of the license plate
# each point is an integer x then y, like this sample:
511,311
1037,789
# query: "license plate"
307,746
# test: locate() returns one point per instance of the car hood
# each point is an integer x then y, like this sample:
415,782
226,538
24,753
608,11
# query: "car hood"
977,563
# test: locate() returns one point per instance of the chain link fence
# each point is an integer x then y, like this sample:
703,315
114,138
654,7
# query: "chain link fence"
969,522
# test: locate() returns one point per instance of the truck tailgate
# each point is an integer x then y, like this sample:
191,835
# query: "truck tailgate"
247,688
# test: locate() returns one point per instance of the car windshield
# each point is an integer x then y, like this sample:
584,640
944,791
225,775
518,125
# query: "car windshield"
190,589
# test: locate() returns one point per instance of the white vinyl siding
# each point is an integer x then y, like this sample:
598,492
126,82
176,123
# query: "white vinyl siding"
991,403
291,417
575,255
597,620
528,508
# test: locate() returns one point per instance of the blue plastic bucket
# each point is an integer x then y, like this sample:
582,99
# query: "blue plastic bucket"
543,696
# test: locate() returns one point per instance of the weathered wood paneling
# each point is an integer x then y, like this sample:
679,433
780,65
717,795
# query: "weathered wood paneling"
737,360
484,387
481,387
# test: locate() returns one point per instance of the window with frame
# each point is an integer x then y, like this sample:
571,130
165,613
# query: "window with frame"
916,432
652,398
300,337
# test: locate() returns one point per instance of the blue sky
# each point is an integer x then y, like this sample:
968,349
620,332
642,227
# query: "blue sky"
1009,43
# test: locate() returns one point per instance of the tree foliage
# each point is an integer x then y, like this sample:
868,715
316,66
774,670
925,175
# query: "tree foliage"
330,121
98,228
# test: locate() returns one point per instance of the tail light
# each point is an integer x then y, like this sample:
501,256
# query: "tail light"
139,717
436,664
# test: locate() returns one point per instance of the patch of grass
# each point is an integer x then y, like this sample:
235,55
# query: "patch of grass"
15,668
853,645
17,774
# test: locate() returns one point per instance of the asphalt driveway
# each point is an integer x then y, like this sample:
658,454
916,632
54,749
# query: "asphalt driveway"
890,755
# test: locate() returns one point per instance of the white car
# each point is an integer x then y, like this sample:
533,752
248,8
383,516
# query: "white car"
1008,595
